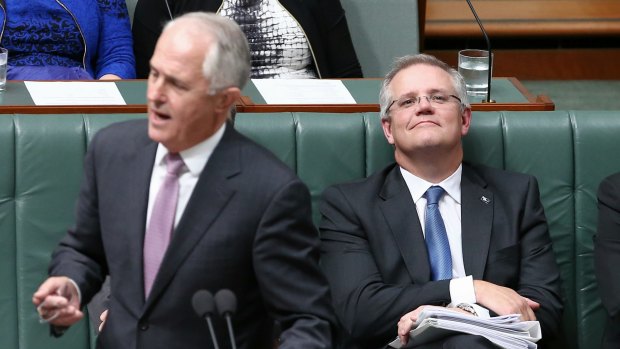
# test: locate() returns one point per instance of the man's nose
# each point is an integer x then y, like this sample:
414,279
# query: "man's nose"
424,105
155,89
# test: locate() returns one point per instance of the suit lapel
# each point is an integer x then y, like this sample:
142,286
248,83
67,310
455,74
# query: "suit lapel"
401,216
210,196
476,222
138,168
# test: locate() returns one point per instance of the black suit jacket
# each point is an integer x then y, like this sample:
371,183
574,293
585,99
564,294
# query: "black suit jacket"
375,257
607,256
247,228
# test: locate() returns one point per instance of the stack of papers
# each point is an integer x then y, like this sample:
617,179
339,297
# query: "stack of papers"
505,331
74,93
303,91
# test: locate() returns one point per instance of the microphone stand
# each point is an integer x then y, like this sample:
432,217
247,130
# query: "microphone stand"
231,334
226,303
486,38
203,305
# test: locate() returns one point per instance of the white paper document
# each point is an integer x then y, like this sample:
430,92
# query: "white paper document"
303,91
74,93
504,331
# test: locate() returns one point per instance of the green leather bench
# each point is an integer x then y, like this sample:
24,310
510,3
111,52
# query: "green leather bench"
569,152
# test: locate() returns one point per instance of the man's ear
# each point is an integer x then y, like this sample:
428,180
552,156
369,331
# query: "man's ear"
226,98
386,124
466,121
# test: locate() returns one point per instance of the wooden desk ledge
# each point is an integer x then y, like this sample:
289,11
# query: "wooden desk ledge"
535,18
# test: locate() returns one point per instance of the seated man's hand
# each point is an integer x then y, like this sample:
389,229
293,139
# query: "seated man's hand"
110,77
57,302
103,317
504,301
407,321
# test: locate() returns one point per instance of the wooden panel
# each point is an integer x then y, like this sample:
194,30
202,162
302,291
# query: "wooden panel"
532,103
453,18
549,64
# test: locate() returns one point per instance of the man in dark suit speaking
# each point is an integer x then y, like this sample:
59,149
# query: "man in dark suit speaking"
432,230
182,202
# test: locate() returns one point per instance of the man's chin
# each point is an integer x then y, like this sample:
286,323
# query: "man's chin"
156,134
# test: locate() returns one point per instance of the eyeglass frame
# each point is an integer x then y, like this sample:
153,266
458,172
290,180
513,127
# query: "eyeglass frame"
418,99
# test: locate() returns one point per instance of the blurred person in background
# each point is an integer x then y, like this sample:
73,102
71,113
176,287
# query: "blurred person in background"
288,38
67,39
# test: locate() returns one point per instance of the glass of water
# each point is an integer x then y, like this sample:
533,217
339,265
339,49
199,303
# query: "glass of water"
4,55
474,66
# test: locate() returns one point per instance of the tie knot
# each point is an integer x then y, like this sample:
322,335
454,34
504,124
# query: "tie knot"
433,194
174,163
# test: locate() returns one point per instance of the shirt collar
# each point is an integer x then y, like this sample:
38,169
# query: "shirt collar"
418,186
196,157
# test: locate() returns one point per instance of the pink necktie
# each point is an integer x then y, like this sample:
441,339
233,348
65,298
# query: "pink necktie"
161,225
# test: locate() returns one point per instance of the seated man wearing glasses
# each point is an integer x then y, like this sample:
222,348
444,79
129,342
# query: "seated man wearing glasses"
432,230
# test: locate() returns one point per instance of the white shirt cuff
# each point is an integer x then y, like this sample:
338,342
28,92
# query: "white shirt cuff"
462,291
78,290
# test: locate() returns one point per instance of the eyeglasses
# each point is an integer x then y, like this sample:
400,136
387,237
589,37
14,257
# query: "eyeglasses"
408,102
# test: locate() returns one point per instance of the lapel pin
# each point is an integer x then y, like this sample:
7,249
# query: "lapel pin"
485,199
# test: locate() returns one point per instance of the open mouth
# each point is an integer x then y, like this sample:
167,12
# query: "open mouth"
159,116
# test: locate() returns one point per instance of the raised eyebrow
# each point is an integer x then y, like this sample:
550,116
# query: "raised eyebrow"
430,92
407,95
438,91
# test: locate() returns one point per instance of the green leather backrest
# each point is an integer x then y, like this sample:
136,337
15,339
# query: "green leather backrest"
8,257
569,153
321,151
596,140
41,166
539,144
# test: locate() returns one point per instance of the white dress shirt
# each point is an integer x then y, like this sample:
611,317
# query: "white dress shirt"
461,285
195,159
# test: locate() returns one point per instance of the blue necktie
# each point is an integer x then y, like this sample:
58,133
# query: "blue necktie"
436,237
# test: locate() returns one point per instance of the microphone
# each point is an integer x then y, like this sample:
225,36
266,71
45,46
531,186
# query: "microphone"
226,303
486,38
168,8
203,304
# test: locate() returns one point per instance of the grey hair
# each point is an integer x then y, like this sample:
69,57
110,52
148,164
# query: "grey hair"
227,62
385,96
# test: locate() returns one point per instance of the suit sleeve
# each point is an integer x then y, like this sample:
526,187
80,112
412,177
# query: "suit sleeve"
607,244
368,307
286,261
539,276
80,254
115,46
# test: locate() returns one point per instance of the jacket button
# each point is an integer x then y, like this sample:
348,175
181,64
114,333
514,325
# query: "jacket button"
144,326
